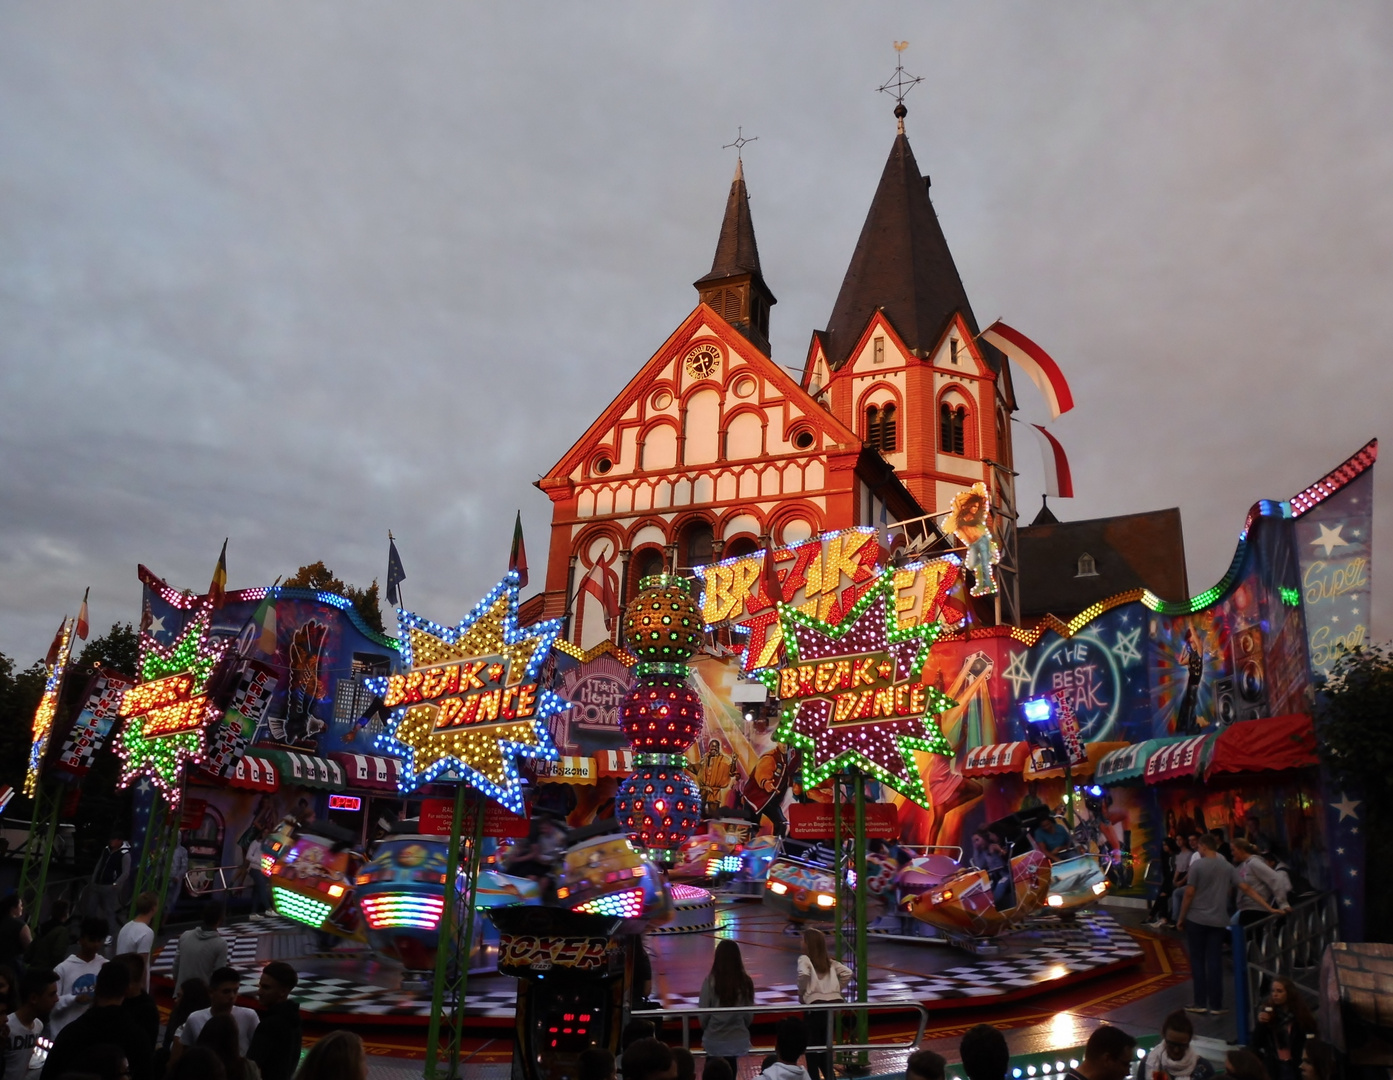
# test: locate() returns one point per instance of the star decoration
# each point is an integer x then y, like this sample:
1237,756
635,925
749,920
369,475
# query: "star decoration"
1015,672
852,696
168,711
156,625
1125,647
1330,539
469,702
1346,806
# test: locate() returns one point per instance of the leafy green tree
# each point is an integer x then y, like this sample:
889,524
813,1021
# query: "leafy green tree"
1354,719
318,576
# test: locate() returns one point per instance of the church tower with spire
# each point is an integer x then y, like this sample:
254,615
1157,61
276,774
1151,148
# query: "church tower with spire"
735,287
901,361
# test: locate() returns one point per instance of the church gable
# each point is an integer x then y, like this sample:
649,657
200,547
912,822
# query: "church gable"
705,398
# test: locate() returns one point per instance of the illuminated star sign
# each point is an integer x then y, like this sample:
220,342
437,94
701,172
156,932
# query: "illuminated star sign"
1125,648
470,700
852,696
168,712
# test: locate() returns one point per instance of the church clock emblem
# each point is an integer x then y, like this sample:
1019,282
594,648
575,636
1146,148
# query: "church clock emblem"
703,361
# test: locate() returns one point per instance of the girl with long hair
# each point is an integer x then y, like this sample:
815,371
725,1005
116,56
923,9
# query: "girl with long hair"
1244,1065
1284,1024
1317,1061
337,1056
220,1035
820,979
727,986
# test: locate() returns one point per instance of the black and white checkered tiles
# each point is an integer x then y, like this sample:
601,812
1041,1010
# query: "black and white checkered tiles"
1046,953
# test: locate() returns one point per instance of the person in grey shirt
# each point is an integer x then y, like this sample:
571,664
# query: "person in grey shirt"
1253,870
1204,917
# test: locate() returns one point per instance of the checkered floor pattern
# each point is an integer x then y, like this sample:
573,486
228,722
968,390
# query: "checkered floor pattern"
1042,954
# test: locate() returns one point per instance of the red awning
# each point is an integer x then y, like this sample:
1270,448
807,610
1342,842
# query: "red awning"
254,773
1265,745
615,762
370,772
1002,757
1178,761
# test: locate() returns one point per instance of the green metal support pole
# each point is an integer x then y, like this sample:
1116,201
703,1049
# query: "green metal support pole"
839,868
862,961
33,872
150,848
447,919
464,943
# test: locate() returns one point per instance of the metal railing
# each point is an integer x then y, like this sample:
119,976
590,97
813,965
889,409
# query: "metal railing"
830,1008
1287,946
206,880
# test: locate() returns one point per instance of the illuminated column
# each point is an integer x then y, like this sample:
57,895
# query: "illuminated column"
661,716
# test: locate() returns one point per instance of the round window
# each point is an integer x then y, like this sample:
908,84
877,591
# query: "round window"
603,465
744,387
803,439
662,399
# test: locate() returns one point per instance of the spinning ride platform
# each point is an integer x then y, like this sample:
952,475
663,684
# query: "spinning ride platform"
352,985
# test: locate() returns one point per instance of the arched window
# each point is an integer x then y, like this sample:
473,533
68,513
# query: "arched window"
697,544
1087,567
741,545
881,427
952,428
644,563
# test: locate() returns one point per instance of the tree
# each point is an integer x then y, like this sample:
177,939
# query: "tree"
318,576
1354,720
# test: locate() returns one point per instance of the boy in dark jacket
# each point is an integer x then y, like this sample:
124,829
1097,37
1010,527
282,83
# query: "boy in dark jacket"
276,1044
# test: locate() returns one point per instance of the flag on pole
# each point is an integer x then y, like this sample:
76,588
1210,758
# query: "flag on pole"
217,588
396,573
266,619
1036,363
517,558
1058,479
82,626
57,646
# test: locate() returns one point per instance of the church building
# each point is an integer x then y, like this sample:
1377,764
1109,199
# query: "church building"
713,450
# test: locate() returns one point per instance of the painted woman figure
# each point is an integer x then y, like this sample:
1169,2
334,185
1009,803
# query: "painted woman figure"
970,520
1186,722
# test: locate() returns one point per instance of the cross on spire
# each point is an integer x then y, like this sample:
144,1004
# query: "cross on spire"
740,143
900,84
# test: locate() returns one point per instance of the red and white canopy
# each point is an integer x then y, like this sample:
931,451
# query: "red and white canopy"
995,758
370,772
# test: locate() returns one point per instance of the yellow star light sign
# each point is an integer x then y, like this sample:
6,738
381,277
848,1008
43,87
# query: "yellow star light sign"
469,702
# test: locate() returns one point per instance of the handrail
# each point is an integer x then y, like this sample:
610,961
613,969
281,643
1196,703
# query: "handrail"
1290,946
206,887
831,1008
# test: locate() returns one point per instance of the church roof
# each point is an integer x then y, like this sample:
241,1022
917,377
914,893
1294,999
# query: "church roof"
901,264
736,250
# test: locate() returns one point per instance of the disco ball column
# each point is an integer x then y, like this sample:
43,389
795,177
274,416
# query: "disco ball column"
661,716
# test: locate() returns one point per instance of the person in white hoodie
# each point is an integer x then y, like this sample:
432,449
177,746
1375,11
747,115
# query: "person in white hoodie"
77,975
820,979
790,1040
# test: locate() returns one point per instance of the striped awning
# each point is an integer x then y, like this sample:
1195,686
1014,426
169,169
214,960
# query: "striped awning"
369,771
1096,751
568,770
1002,757
1127,763
300,769
1179,760
255,773
615,762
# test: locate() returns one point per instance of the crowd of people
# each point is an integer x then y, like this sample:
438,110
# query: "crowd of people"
1208,885
73,1012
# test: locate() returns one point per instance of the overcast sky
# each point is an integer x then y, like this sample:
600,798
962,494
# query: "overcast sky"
296,274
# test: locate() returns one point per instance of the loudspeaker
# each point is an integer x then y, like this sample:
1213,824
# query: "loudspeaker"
1225,707
1249,673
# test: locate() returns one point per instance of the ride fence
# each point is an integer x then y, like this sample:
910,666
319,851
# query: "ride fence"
1288,946
832,1010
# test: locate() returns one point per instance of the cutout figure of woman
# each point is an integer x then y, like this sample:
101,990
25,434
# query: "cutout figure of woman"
970,520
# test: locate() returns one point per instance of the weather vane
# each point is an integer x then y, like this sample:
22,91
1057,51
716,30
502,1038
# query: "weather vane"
740,142
900,84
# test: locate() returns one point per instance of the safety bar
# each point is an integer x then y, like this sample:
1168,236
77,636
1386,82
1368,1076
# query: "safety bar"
831,1008
205,885
927,848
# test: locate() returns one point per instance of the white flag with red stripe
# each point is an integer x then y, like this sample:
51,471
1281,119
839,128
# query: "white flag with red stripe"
1059,481
1036,363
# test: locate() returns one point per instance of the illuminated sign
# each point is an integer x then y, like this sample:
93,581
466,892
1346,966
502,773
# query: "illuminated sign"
345,802
470,702
167,705
822,579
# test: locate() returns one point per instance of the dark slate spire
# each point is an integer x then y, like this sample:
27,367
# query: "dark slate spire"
735,286
901,264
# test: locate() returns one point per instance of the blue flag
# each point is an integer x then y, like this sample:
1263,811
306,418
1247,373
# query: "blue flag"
396,573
